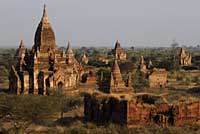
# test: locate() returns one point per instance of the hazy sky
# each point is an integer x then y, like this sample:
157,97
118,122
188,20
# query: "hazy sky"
102,22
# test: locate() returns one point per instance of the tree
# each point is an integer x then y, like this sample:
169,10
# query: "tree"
22,111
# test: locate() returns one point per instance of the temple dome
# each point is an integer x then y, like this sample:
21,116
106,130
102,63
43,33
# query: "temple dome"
44,36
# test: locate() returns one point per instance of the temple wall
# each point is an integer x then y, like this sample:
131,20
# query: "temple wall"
102,108
138,114
91,80
187,112
158,80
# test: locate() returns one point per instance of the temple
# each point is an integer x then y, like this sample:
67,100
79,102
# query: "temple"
142,67
119,53
116,82
113,82
44,68
84,59
184,58
157,78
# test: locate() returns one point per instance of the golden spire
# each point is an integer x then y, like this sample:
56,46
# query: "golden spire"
45,16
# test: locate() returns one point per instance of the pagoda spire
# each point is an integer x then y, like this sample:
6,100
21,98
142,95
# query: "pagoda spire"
21,45
116,71
116,81
21,50
69,49
142,66
69,54
117,45
45,16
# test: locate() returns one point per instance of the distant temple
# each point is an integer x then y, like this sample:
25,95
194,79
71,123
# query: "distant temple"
184,58
119,52
44,67
84,59
142,66
116,82
158,78
134,110
113,82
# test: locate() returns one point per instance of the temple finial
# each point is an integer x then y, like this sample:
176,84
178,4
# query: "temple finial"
117,45
21,45
69,49
45,16
68,43
45,4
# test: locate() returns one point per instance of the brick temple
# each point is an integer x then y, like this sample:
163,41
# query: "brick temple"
44,68
119,52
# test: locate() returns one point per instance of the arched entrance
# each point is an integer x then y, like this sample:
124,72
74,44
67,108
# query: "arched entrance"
60,85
